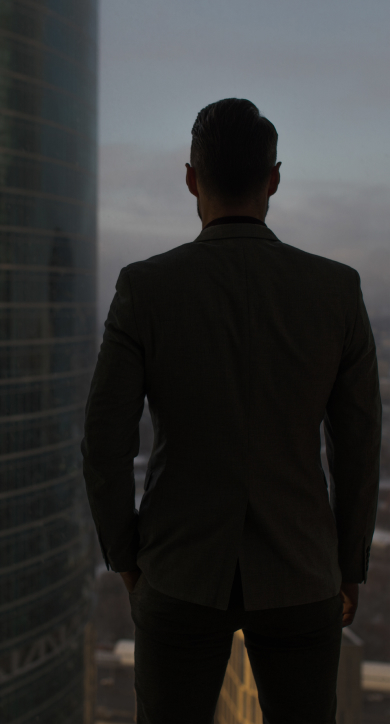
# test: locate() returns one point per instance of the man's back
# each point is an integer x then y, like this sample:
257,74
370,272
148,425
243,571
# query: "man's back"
243,345
246,344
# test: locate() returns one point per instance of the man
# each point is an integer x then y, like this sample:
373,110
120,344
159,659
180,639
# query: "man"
243,346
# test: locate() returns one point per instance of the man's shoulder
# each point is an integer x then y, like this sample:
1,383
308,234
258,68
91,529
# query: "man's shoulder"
159,261
318,262
295,258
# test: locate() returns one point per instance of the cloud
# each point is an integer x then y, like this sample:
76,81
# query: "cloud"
146,209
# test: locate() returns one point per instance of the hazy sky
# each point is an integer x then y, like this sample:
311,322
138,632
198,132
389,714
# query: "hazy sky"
319,70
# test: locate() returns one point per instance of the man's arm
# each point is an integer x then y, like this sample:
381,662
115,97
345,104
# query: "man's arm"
352,426
111,442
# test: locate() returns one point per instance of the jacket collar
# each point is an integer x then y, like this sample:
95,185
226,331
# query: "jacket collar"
236,231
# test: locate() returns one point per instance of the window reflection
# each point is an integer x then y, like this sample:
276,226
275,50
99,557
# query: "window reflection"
54,249
31,323
60,355
55,143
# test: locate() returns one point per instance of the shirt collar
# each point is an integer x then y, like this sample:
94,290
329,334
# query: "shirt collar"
234,220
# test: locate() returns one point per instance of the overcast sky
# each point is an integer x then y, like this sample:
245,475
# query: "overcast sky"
318,70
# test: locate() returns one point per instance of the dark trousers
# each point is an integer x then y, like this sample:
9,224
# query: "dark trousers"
182,650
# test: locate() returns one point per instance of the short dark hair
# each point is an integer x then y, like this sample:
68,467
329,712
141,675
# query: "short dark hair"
233,149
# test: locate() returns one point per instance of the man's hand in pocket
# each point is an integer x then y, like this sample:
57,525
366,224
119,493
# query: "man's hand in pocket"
130,578
350,596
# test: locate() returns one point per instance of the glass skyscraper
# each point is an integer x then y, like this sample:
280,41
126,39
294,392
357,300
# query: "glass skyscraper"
47,351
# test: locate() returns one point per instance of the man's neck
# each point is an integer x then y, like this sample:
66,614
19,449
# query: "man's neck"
208,211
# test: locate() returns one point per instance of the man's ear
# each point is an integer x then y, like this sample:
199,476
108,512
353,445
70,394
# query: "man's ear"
191,180
274,180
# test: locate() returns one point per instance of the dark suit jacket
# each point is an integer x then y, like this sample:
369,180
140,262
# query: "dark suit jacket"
243,345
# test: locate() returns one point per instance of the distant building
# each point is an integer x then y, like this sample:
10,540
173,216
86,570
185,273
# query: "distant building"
116,699
238,701
47,352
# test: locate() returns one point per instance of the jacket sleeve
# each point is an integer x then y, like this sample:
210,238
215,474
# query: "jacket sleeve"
111,436
352,426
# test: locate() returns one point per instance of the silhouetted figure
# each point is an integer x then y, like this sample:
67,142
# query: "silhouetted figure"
243,345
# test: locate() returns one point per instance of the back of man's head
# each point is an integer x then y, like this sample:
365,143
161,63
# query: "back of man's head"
233,149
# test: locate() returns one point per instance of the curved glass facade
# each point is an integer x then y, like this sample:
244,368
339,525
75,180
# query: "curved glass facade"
47,352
